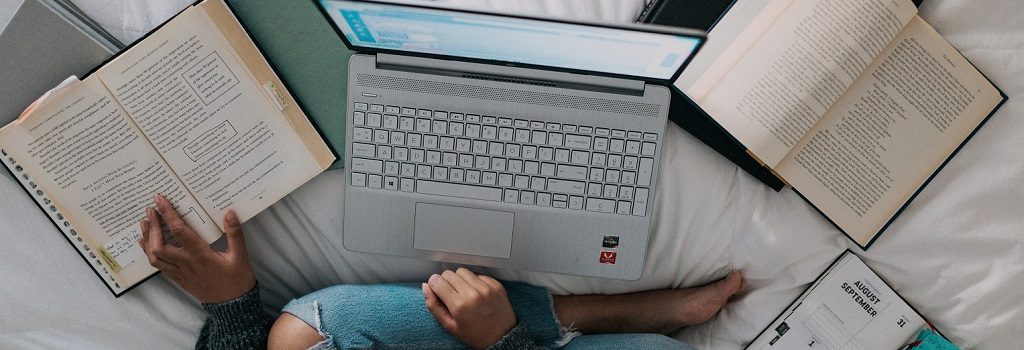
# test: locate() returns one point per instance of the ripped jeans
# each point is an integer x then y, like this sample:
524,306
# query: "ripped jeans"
394,316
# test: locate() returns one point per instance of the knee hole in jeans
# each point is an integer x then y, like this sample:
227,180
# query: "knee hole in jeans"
290,332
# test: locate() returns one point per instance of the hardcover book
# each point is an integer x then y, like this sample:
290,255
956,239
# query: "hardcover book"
192,111
855,105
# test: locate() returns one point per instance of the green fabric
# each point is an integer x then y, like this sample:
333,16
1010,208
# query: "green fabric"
933,341
308,55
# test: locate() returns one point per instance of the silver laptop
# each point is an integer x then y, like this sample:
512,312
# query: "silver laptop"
504,141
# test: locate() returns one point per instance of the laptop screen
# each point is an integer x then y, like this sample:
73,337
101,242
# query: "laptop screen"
571,46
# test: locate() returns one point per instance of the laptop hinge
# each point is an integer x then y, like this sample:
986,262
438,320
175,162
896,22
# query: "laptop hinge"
510,74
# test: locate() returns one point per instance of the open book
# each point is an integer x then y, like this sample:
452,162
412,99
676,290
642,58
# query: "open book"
192,111
855,104
847,307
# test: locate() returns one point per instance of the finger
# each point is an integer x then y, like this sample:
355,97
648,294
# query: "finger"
442,289
174,255
493,283
456,281
154,237
179,228
144,228
167,266
236,240
472,279
437,309
160,259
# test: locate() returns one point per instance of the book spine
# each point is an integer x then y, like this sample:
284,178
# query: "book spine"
58,219
648,12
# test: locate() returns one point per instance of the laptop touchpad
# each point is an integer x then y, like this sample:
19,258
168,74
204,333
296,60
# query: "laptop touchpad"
463,230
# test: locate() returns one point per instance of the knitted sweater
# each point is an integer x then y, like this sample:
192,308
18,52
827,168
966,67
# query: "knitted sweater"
241,324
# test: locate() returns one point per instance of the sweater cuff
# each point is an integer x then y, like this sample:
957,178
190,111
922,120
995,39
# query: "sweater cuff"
239,315
516,339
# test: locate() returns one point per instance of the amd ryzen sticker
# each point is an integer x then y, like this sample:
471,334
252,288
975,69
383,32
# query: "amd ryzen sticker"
610,242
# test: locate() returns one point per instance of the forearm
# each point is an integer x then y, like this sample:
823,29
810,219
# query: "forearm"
235,324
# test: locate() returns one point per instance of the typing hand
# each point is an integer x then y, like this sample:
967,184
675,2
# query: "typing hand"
474,309
208,275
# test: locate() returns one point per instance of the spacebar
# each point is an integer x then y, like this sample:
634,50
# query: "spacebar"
456,190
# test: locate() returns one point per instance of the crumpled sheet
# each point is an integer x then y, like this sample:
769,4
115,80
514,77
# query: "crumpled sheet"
956,254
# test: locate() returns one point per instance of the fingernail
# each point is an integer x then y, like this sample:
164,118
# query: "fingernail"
232,217
433,277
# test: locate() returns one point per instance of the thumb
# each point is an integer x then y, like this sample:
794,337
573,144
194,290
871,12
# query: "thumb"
438,309
233,229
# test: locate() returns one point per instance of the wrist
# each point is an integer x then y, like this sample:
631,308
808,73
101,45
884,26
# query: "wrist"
233,291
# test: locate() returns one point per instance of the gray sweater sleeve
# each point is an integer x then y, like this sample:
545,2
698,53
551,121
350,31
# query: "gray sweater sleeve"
236,324
516,339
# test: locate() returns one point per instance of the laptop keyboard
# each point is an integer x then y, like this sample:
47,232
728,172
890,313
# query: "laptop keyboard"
446,153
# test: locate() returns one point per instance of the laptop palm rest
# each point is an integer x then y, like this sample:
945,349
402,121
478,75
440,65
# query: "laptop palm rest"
463,230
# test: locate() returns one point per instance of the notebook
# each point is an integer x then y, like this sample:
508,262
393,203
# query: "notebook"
847,307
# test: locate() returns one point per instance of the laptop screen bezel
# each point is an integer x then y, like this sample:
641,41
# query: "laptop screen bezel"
701,37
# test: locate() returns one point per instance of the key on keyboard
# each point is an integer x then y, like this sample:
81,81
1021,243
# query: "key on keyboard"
500,159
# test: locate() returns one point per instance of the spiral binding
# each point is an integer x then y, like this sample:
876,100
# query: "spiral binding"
72,235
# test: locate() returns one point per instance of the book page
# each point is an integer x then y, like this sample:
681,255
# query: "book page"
799,67
87,155
734,34
849,308
917,103
220,130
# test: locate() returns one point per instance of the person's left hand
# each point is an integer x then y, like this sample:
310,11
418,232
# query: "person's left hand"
473,308
208,275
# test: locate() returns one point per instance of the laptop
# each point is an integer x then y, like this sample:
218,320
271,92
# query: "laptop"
504,141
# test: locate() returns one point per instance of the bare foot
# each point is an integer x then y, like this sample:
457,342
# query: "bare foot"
699,304
659,311
668,310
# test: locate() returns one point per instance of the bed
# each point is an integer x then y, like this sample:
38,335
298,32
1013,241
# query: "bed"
956,253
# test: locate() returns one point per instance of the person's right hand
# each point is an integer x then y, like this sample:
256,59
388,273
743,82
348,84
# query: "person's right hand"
208,275
473,308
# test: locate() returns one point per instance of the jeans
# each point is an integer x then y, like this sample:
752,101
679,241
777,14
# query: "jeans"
394,316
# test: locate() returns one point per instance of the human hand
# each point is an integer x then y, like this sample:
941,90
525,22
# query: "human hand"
208,275
473,308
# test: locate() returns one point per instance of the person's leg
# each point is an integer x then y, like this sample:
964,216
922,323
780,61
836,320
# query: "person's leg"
292,333
646,341
660,311
361,316
394,316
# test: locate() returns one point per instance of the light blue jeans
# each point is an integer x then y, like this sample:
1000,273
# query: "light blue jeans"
394,316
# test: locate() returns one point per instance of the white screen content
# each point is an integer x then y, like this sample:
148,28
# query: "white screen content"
507,39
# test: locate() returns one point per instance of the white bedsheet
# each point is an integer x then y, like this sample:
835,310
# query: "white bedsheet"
957,253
